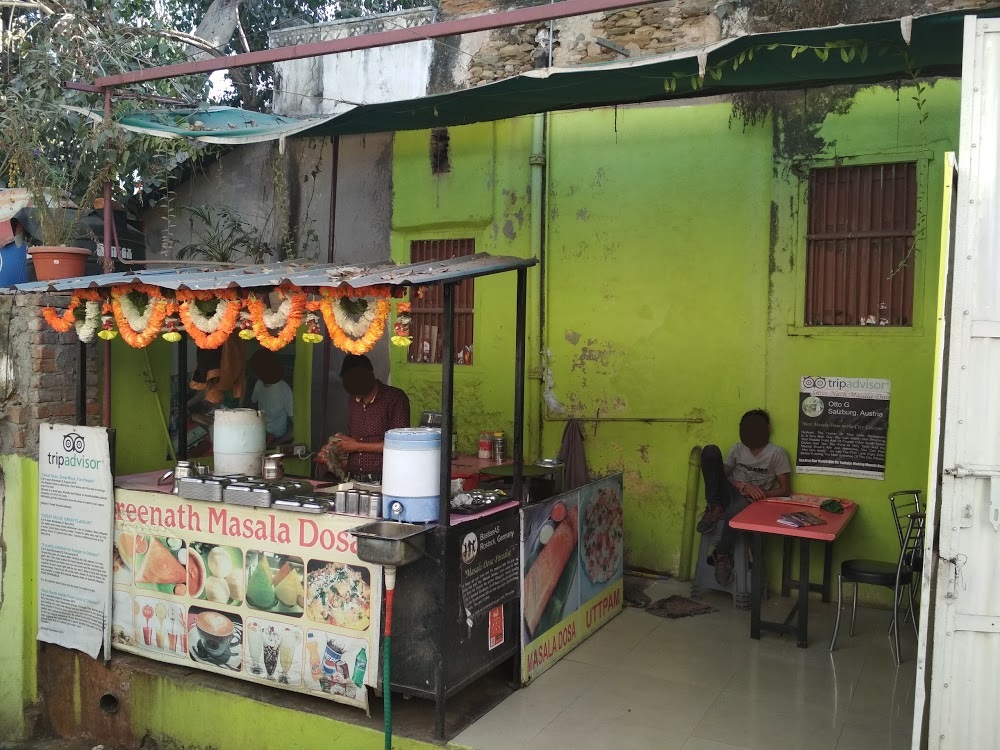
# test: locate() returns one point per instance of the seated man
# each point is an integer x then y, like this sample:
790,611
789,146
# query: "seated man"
753,469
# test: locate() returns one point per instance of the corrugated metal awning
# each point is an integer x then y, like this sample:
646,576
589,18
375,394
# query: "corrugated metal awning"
297,273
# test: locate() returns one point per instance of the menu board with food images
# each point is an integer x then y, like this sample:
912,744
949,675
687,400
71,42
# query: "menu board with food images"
270,596
572,561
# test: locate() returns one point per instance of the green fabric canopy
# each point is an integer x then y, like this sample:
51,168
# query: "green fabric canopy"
902,50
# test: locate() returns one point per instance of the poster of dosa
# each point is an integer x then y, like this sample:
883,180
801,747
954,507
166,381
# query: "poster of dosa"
572,560
269,596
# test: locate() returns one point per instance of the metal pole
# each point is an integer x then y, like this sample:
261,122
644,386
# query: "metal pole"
522,296
182,405
107,268
447,399
447,405
324,396
81,384
467,25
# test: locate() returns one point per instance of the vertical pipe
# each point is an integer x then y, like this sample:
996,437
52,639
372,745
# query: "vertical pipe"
107,268
81,384
182,410
447,399
324,396
690,510
522,294
538,163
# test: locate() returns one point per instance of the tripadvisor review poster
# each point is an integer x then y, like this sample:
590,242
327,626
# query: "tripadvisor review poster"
270,596
75,508
843,426
572,561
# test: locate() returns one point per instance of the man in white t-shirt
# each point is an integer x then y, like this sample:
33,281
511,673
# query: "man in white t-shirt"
273,396
753,469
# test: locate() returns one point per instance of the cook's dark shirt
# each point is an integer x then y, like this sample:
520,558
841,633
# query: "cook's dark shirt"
389,410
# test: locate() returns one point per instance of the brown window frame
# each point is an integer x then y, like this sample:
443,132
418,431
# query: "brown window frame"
428,311
860,249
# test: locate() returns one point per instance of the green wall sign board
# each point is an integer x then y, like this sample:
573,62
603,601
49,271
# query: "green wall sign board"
843,426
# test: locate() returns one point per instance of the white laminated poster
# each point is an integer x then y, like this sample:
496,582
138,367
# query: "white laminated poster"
75,527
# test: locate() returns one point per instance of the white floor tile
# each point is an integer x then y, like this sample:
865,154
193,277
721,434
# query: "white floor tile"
696,743
701,683
642,699
583,730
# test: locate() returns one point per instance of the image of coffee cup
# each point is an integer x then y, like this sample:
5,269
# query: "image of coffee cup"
215,631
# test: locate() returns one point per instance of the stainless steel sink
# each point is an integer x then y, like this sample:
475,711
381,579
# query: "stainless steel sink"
390,542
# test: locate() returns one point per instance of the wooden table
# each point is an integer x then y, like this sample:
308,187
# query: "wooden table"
762,518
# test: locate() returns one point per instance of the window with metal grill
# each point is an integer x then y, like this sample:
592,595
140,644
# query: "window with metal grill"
427,314
859,248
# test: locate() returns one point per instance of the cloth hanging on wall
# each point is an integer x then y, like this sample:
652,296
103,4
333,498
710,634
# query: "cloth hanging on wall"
572,454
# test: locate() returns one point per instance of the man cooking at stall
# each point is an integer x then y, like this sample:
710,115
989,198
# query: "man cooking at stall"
373,408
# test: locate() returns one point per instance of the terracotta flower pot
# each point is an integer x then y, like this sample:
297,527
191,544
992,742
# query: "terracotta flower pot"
52,263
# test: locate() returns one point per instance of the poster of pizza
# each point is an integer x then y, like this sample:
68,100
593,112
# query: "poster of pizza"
572,562
268,596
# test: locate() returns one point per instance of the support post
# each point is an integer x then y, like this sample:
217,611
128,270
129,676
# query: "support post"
447,419
107,268
182,404
324,396
519,336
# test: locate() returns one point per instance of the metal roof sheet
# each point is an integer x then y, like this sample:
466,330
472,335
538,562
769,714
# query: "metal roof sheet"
294,272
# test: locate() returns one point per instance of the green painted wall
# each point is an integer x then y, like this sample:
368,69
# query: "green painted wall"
141,438
18,610
880,126
672,287
485,197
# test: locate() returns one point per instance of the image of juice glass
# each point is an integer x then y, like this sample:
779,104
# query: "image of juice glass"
286,652
315,662
255,645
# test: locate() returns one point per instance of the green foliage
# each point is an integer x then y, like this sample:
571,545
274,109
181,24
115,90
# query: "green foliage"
53,151
224,237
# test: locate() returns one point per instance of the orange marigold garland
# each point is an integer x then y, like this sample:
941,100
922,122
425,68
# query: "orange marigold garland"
364,343
209,333
63,323
154,315
260,317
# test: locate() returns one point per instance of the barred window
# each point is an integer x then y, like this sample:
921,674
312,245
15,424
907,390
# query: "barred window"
859,247
427,314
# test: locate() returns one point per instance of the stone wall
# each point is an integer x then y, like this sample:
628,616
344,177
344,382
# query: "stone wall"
38,373
647,30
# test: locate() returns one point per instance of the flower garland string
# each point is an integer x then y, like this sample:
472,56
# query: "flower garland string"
287,323
342,339
86,329
209,332
62,323
138,329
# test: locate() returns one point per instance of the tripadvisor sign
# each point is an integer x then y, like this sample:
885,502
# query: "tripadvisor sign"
71,456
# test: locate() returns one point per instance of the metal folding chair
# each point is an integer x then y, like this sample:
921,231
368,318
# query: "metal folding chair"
880,573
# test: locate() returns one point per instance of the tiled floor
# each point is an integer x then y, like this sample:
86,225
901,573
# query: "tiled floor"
701,683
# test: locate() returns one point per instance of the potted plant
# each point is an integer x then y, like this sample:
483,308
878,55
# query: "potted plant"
45,162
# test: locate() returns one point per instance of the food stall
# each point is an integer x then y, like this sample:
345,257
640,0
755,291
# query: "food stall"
260,580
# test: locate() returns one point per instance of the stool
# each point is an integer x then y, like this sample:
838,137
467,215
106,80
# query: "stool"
704,573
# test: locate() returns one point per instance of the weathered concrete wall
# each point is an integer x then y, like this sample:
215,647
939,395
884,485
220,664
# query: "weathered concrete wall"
336,83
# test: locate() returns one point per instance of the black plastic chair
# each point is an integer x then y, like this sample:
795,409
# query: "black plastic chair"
890,575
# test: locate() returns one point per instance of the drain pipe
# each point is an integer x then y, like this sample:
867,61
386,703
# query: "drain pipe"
690,509
537,160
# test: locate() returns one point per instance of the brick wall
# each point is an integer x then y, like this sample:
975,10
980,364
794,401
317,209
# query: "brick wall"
39,373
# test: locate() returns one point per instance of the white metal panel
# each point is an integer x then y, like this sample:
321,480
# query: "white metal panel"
966,604
928,578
